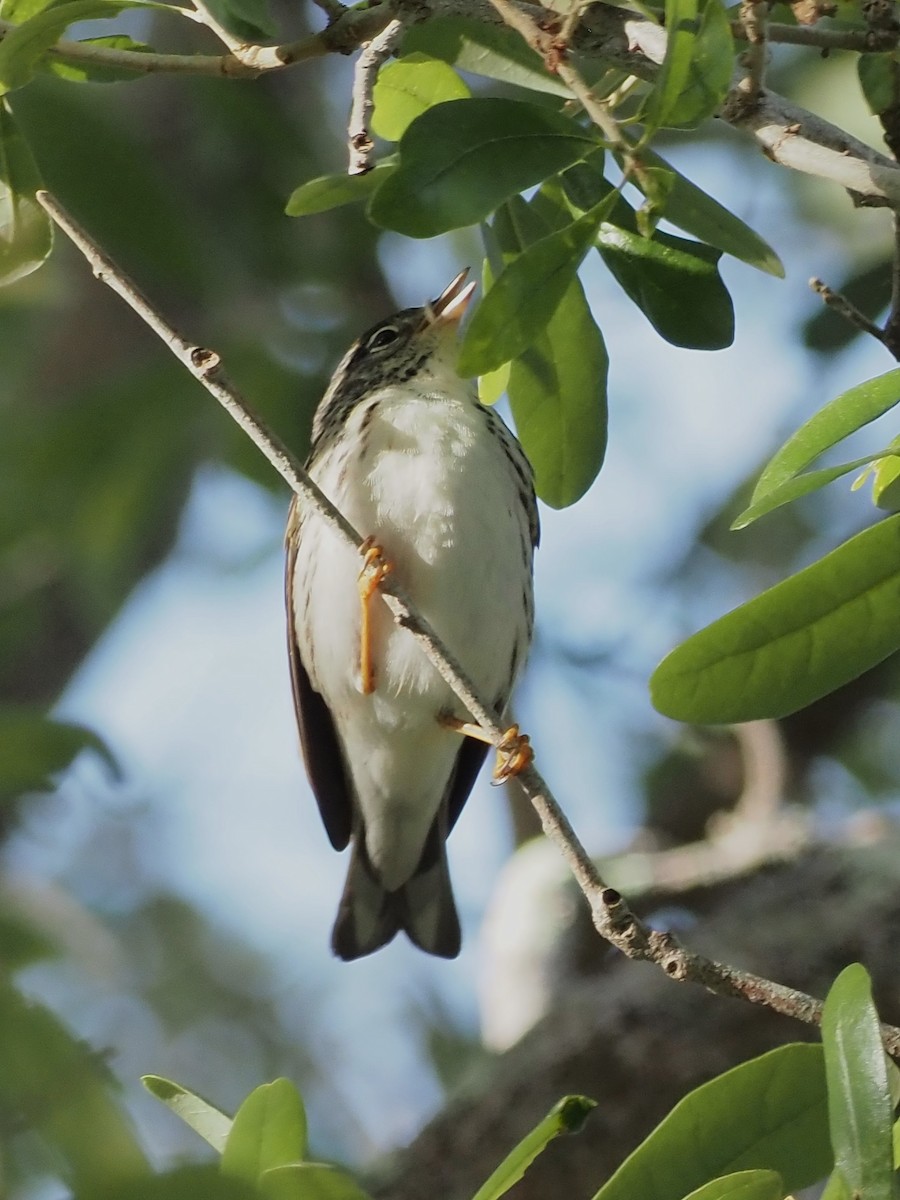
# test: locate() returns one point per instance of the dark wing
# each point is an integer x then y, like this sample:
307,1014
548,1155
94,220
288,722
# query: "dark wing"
471,755
318,737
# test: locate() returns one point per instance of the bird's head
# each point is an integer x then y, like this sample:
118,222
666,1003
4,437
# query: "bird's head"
412,342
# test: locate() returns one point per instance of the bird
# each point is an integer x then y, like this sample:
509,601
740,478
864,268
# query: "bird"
444,495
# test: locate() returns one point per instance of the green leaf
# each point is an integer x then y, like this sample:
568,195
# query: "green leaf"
21,943
886,482
675,283
681,31
860,1111
26,232
797,486
709,70
557,393
184,1183
567,1116
249,19
768,1114
798,641
34,748
19,11
688,207
333,191
23,46
742,1185
495,51
525,296
212,1125
879,78
835,1188
460,160
88,72
406,89
60,1092
309,1181
269,1130
837,420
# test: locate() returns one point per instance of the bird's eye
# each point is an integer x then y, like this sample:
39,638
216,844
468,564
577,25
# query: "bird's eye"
382,338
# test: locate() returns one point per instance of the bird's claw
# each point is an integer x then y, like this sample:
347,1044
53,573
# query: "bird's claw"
374,570
514,754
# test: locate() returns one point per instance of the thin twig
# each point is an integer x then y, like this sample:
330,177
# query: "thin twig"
353,28
359,137
846,309
753,15
612,917
554,50
822,37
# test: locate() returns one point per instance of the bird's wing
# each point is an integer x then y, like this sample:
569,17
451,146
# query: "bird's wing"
318,737
471,755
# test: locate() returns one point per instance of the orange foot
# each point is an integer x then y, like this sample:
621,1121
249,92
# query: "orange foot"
374,569
514,752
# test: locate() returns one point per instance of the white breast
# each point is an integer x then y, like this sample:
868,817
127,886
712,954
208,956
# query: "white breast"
434,488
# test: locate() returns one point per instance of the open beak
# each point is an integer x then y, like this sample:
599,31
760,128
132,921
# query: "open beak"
452,303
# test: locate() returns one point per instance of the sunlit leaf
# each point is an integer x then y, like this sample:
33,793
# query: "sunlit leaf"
837,420
309,1181
704,69
682,25
333,191
492,50
767,1114
524,298
460,160
886,482
742,1185
204,1118
22,47
698,214
269,1130
557,393
796,642
567,1116
409,87
860,1110
26,233
797,486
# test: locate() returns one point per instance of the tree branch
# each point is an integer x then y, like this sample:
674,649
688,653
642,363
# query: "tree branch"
611,916
365,73
789,135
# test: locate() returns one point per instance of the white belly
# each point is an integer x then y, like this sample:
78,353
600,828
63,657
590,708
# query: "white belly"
436,494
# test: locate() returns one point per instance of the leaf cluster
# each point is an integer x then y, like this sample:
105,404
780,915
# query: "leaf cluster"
764,1130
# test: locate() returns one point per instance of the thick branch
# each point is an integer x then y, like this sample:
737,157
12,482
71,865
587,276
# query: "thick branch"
611,915
788,134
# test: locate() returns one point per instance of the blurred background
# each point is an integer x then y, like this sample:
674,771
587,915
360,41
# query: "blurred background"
166,906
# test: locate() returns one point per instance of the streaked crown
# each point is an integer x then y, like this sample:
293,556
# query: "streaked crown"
394,351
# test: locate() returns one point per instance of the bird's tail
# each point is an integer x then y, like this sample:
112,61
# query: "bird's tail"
369,916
